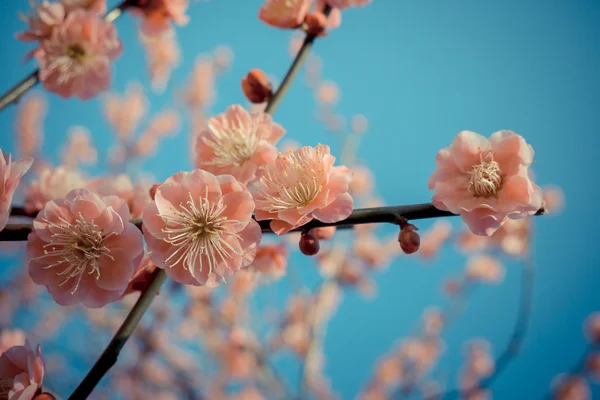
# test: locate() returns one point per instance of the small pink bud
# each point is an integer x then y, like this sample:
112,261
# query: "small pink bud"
309,244
256,86
315,24
153,190
409,239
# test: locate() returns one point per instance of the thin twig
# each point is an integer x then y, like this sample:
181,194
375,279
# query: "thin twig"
14,94
111,353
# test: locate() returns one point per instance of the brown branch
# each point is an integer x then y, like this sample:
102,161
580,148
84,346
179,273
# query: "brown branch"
14,94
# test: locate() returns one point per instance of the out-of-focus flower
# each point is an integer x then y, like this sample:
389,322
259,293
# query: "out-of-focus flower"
163,56
222,57
592,365
362,181
75,60
10,338
554,199
124,113
21,372
52,184
199,90
157,15
341,4
468,242
42,20
79,148
284,13
592,327
486,181
199,228
256,86
10,176
485,268
433,239
238,143
570,387
359,124
84,249
324,233
30,132
300,186
271,260
328,93
98,6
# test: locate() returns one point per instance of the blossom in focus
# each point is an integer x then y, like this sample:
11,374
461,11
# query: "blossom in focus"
157,15
52,184
485,181
42,20
485,268
97,6
163,55
284,13
75,60
300,186
10,176
199,228
271,260
21,372
341,4
84,249
238,143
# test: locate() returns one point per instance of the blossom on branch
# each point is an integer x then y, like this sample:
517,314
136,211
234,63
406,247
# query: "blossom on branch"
486,181
84,249
238,143
199,228
53,183
302,185
75,60
159,14
21,372
287,14
42,20
10,176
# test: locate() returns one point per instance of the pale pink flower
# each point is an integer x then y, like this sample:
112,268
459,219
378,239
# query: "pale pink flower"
295,44
137,195
485,268
84,249
248,393
328,93
300,186
157,15
468,242
10,176
359,124
10,338
325,232
163,56
389,371
341,4
21,372
199,228
199,90
52,184
372,250
42,20
98,6
485,181
124,113
271,260
75,60
571,387
238,143
513,237
222,57
79,148
284,13
554,199
362,181
164,123
433,239
29,126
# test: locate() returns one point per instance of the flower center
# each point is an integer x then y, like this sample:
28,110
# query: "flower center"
485,179
232,145
199,231
76,247
76,52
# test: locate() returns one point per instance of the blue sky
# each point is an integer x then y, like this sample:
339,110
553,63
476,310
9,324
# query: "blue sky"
421,72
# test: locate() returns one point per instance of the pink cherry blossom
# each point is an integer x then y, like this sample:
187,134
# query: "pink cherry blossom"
136,195
163,55
433,239
98,6
10,338
79,149
199,90
300,186
238,143
52,184
84,249
199,228
21,372
271,260
10,176
75,60
42,21
485,268
124,113
284,13
341,4
554,199
157,15
29,125
486,181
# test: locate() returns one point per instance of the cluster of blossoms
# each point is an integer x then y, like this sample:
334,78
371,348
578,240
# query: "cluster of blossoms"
21,368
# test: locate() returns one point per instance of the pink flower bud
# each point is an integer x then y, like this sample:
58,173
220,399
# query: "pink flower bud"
309,244
315,24
256,86
409,239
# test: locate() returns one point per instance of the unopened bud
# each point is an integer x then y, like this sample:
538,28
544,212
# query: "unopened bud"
153,190
309,244
409,239
256,86
315,24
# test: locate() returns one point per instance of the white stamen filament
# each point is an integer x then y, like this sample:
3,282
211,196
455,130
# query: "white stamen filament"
233,143
77,247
